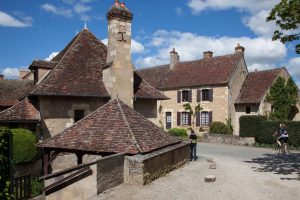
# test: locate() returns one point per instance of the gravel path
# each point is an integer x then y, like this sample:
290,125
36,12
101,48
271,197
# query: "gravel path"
260,176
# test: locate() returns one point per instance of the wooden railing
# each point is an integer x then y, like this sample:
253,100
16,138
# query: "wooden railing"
22,187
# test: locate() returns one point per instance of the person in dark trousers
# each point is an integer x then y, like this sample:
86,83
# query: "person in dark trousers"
193,145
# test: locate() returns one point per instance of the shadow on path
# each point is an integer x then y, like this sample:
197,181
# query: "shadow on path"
282,165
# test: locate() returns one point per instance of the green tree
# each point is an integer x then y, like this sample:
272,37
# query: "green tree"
189,108
283,96
286,14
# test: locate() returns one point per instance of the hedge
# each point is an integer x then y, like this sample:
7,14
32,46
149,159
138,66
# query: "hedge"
5,165
24,149
263,130
178,131
219,128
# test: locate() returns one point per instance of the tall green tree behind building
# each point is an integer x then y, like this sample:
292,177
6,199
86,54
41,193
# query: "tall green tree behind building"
283,96
286,14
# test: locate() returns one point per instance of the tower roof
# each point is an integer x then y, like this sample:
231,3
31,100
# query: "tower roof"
113,128
120,11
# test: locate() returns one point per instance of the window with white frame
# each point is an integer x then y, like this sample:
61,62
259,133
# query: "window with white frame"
204,118
184,118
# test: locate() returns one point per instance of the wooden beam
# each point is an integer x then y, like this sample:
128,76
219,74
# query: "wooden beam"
46,155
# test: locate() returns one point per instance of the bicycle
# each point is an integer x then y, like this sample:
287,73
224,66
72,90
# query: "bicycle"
282,149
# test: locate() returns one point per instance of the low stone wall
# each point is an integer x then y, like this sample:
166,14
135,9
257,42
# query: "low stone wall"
227,139
142,169
107,172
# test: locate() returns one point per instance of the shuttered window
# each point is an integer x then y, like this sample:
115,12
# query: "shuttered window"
184,118
205,95
204,118
185,96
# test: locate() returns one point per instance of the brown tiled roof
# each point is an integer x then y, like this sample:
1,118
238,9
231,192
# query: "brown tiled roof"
22,111
42,64
256,85
113,128
11,91
143,90
154,75
210,71
79,69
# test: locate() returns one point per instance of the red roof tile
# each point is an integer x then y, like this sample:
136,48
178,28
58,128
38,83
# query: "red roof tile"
113,128
11,91
79,70
209,71
22,111
256,85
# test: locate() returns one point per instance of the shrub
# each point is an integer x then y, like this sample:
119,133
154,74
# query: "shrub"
250,125
24,149
36,187
178,131
5,164
219,128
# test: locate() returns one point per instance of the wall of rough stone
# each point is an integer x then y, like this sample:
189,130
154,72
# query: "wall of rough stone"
148,108
58,112
107,172
143,169
33,168
219,105
227,139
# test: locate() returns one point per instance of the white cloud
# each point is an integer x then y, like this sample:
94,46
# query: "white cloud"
191,47
136,47
178,11
81,8
198,6
294,67
57,10
9,21
10,73
51,56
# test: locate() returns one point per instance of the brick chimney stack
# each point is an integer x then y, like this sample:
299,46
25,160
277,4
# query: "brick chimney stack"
207,54
239,48
174,58
118,75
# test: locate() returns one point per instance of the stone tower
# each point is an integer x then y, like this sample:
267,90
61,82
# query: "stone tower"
118,74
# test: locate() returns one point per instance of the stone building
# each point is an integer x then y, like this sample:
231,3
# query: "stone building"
221,85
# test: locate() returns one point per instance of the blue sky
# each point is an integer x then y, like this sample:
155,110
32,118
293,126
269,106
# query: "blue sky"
34,29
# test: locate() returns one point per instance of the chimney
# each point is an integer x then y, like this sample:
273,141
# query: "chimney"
118,75
1,77
239,48
207,54
174,58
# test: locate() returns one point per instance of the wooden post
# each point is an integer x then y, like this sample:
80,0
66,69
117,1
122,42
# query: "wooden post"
46,155
79,158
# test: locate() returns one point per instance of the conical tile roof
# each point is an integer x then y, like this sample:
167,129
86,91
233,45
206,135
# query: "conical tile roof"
113,128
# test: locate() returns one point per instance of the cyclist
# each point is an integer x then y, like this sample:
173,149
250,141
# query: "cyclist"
283,136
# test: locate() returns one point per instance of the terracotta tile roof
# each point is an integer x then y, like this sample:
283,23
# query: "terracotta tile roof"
11,91
143,90
210,71
154,75
113,128
79,69
22,111
256,85
42,64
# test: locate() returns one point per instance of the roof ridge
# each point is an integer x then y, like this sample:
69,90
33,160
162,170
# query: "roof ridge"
147,68
129,128
204,59
268,70
55,66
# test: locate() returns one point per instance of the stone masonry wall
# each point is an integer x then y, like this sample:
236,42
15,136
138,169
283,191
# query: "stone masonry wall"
219,106
227,139
143,169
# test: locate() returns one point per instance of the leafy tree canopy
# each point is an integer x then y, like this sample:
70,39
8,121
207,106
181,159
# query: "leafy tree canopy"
283,95
286,14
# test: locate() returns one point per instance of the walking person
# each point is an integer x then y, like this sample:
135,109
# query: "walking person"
193,145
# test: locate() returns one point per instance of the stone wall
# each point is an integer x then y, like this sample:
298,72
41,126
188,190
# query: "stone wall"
148,108
58,112
142,169
219,105
107,172
227,139
33,168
